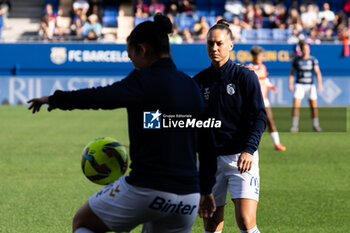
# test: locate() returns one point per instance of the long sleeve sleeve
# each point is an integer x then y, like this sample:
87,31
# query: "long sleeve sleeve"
255,113
125,93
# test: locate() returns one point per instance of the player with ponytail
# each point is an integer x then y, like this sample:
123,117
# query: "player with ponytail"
164,190
232,94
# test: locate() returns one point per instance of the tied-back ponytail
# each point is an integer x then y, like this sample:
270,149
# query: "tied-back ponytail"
155,33
222,24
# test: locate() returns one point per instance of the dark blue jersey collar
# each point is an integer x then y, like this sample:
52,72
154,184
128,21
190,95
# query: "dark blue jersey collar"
163,62
223,69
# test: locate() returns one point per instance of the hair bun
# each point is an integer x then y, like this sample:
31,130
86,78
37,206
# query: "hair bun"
223,22
163,23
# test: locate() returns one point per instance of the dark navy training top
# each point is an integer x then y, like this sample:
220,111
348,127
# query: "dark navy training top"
305,69
232,94
162,159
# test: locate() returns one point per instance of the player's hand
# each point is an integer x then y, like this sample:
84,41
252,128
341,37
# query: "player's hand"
291,87
36,103
245,162
207,206
274,89
320,87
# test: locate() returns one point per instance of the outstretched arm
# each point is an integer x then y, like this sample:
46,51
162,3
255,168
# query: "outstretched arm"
36,103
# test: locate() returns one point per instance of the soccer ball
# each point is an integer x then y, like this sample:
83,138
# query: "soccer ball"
104,160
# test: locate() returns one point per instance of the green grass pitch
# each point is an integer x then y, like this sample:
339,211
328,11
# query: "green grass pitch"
305,189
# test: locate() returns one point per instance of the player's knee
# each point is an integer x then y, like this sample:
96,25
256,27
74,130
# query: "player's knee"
213,225
246,222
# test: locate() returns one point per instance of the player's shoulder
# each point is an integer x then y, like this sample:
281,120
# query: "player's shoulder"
202,75
313,58
244,70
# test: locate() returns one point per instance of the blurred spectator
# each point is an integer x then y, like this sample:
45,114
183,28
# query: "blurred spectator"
172,7
294,19
233,8
142,9
174,37
171,18
96,7
48,23
312,38
344,37
323,26
92,29
62,25
236,28
295,37
281,17
268,8
309,17
82,5
341,19
187,36
258,23
328,36
326,13
347,8
343,33
78,21
186,6
253,18
201,29
5,7
156,6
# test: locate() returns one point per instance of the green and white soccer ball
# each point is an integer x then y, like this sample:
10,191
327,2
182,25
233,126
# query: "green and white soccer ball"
104,160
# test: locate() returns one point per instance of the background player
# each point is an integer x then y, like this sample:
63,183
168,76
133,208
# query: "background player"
304,85
232,94
162,190
265,84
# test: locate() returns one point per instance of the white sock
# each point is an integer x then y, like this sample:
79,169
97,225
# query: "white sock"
253,230
275,138
83,230
212,231
295,121
315,122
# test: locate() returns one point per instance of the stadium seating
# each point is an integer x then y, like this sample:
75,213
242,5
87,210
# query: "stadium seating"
248,35
110,16
264,34
186,22
280,35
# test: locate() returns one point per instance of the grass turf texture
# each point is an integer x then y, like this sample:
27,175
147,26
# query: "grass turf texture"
305,189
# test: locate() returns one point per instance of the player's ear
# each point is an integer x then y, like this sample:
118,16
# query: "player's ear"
231,45
142,49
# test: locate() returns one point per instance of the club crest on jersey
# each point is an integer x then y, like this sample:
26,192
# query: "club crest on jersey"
230,88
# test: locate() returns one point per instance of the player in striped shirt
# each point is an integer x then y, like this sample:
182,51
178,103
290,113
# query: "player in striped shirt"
265,85
305,66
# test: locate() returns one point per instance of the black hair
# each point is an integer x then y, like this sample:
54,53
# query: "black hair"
222,24
255,50
154,33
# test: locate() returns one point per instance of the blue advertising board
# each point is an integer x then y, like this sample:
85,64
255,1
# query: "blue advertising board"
31,70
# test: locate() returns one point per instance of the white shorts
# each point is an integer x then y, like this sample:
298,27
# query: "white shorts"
228,178
122,207
308,90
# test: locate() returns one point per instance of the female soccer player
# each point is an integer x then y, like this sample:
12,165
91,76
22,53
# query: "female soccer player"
265,84
162,190
305,66
232,94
